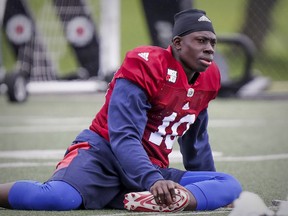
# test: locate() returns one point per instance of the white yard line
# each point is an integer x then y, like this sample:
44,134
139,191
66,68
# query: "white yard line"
176,156
174,214
33,154
217,211
253,158
58,154
216,123
43,119
26,164
42,129
67,124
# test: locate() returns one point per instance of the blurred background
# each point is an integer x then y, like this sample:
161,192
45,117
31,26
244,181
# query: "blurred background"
47,45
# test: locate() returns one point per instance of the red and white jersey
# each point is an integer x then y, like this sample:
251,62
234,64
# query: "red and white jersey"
175,104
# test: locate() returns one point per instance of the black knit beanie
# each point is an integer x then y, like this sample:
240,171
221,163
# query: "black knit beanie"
191,20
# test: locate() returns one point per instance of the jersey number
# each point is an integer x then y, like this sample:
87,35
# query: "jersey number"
158,136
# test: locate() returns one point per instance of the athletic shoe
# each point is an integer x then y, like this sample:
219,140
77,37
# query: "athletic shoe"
250,203
145,202
283,208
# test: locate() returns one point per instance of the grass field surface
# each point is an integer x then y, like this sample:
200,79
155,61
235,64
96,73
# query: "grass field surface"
248,138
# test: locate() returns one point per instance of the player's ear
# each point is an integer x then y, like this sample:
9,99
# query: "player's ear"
177,42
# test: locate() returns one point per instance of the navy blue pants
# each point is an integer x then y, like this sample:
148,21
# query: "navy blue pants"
93,179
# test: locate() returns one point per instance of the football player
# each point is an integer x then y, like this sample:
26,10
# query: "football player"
156,97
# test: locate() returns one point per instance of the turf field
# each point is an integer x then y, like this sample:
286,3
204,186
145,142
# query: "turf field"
248,137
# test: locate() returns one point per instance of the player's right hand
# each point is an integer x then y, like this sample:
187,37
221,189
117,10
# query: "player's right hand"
164,192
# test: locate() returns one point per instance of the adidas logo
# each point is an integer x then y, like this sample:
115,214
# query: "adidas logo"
144,55
186,106
204,19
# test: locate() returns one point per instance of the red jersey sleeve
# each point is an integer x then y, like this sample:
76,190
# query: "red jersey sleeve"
144,67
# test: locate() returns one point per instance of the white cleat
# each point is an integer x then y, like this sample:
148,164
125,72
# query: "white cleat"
145,202
283,208
250,204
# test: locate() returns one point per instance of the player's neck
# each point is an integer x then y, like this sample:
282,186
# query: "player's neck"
191,75
192,79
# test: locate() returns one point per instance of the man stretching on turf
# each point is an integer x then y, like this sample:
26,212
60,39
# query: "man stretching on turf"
121,161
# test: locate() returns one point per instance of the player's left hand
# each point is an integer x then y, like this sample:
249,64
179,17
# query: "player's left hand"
164,192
